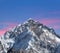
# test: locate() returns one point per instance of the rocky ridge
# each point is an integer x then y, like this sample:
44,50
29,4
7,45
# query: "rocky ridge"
30,37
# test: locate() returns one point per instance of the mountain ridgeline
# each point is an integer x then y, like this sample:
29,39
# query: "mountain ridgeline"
30,37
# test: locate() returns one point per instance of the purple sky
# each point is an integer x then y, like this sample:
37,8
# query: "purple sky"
13,12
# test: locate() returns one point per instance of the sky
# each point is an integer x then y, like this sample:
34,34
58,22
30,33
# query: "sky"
14,12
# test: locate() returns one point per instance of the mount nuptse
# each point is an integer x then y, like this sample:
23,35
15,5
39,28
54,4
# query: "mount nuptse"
31,37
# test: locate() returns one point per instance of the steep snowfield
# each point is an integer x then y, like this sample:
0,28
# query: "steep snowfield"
31,37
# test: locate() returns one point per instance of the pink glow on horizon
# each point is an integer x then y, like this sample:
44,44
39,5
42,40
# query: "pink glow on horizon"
2,31
56,27
10,25
54,23
49,22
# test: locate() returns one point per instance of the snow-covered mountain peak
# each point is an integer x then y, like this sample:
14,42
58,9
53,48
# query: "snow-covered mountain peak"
31,36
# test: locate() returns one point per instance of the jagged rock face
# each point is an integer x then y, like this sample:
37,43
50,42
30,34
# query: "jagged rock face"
31,37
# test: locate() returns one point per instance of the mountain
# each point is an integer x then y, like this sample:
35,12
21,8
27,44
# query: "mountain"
30,37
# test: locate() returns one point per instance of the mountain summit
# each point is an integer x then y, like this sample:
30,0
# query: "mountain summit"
30,37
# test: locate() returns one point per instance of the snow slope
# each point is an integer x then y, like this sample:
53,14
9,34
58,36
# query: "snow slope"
31,36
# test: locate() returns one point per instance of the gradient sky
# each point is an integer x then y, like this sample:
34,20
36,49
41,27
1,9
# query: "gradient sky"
13,12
